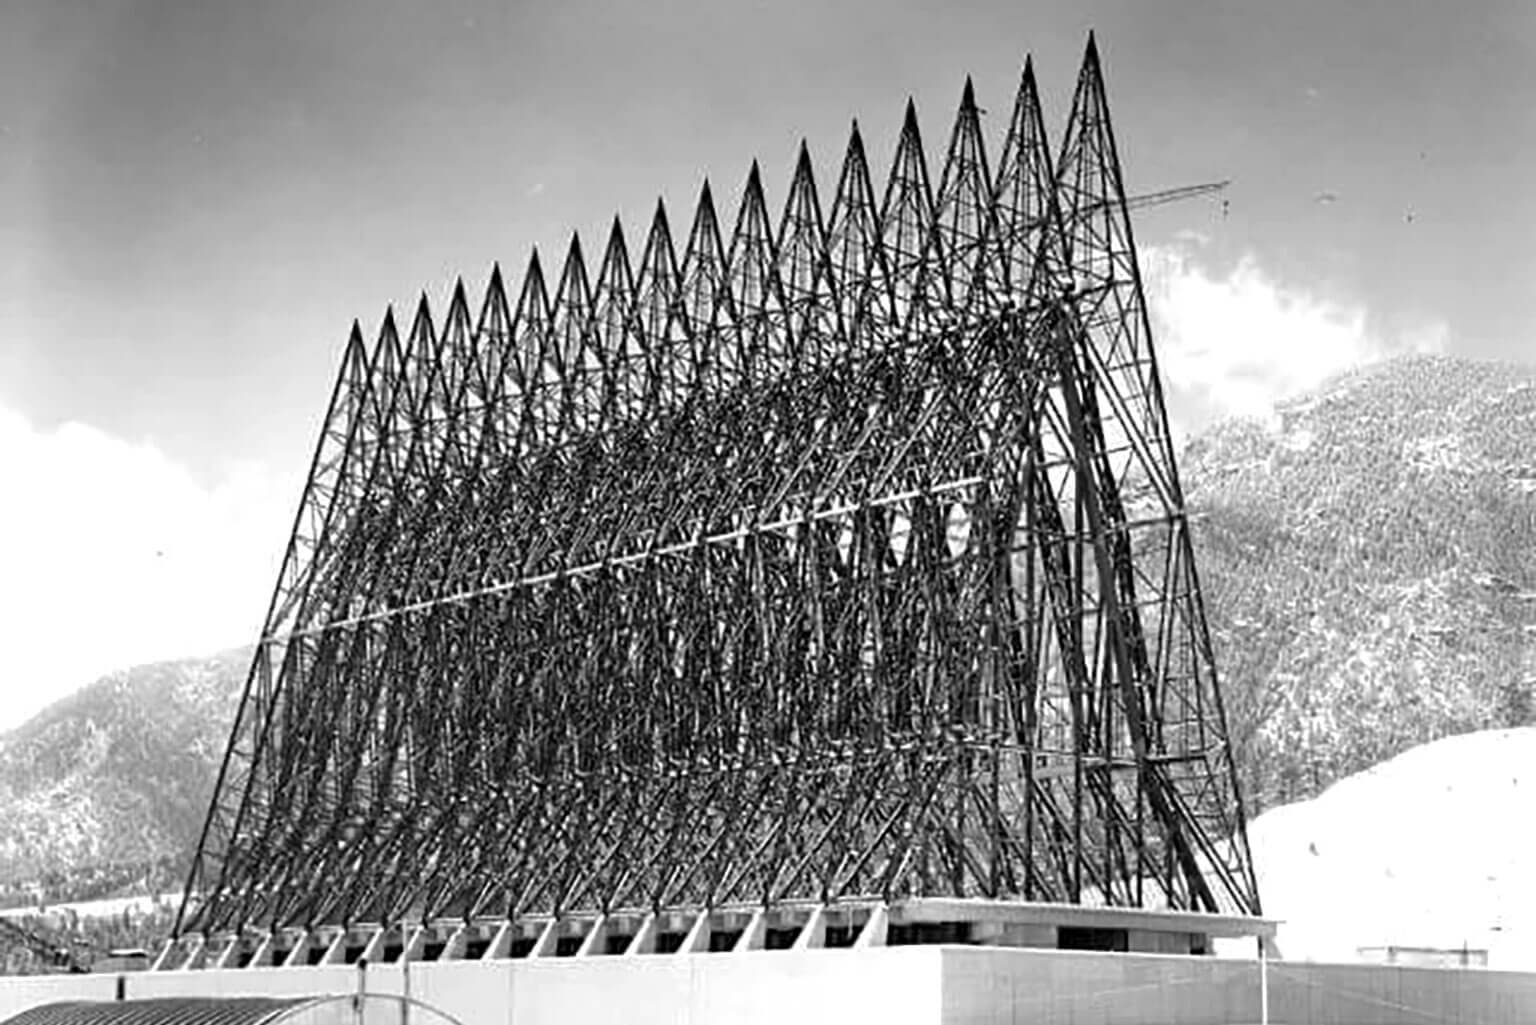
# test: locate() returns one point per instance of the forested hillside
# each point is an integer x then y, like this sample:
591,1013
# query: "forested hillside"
103,792
1369,567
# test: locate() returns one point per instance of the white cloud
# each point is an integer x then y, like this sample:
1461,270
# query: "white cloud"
1236,344
114,555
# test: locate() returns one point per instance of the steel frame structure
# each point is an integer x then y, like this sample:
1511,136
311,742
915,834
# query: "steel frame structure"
846,559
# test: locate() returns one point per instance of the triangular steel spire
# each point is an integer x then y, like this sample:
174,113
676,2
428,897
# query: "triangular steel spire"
494,332
965,231
854,245
805,267
572,310
530,326
703,272
1026,194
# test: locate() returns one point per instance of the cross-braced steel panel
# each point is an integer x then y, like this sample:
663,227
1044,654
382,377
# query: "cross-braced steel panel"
840,556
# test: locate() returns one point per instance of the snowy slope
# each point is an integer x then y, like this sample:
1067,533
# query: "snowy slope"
1434,848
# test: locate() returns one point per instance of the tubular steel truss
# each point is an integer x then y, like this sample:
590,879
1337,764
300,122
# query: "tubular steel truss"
846,559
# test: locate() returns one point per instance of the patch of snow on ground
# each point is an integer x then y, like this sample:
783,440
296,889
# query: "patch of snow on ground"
1433,848
1298,440
108,907
1445,452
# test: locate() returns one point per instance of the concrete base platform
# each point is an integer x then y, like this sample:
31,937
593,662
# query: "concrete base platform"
857,924
953,985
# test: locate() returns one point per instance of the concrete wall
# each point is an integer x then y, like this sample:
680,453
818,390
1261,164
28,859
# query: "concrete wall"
1392,994
994,986
837,987
881,986
984,986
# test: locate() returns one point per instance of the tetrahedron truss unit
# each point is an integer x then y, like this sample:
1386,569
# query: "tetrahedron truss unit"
840,556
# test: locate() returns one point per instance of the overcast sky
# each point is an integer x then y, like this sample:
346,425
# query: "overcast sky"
197,198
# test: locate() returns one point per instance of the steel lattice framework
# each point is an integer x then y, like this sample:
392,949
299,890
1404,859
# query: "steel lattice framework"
846,558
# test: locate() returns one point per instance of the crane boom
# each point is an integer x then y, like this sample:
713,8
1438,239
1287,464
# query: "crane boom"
1147,199
1174,195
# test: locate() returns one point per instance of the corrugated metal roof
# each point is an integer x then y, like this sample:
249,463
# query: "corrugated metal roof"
161,1011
